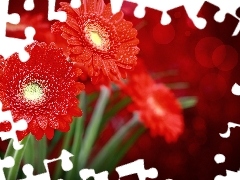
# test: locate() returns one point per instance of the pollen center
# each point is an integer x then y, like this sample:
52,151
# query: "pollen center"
32,92
96,38
156,106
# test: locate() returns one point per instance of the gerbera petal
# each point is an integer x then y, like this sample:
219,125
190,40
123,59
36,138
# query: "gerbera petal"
53,123
5,126
78,87
74,41
93,6
85,56
109,68
68,30
132,42
66,36
72,23
55,28
77,49
35,129
22,134
125,31
75,111
67,8
67,118
117,17
42,122
49,133
107,12
126,55
63,126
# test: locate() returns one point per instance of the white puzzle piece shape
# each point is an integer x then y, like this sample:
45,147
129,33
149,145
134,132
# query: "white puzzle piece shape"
16,126
66,165
7,162
192,8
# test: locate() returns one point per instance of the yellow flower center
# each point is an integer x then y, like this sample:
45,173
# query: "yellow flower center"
32,92
96,38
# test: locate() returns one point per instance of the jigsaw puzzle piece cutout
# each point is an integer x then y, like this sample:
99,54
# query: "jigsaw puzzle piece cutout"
55,15
137,167
230,175
29,5
66,165
192,8
11,45
87,173
225,8
227,133
75,3
236,89
208,12
60,15
28,171
7,162
16,126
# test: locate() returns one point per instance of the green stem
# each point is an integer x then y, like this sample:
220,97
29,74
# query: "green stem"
78,135
66,145
117,156
114,110
10,149
93,127
57,136
13,172
113,144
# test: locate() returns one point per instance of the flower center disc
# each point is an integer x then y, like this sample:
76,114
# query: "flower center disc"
156,106
32,92
96,38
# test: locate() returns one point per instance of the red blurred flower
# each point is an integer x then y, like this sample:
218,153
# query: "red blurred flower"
42,90
103,43
158,107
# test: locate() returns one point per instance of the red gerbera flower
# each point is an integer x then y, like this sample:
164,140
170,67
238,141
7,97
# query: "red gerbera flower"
42,90
158,107
103,43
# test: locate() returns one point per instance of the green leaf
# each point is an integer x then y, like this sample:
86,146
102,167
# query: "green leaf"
178,85
66,145
78,136
116,157
113,111
93,127
17,156
109,151
188,101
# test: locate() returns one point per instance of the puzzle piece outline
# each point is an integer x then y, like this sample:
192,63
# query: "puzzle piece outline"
16,126
7,162
66,165
192,8
11,45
